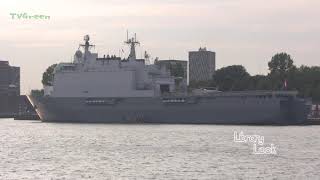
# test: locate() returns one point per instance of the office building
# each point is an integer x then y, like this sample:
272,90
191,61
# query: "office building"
9,79
9,89
202,65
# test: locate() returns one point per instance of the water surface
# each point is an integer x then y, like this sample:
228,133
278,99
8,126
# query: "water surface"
34,150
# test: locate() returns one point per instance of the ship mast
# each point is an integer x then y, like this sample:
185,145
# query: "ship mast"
132,42
86,46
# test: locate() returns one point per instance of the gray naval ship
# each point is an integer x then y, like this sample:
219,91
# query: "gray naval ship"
115,90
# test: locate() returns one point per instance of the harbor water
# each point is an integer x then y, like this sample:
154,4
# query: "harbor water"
35,150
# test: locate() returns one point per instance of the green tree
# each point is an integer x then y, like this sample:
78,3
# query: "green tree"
259,82
37,92
281,63
232,78
307,81
280,67
47,76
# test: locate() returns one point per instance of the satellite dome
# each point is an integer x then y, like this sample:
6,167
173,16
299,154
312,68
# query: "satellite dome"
86,38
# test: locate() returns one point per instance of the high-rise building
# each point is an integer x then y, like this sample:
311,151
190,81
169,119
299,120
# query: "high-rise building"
202,65
9,79
9,89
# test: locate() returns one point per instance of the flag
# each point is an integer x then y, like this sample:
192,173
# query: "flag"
285,84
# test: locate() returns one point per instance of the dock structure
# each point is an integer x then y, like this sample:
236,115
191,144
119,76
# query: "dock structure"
26,111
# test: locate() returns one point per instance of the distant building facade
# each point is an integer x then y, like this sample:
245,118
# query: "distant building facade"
177,68
202,65
9,89
9,79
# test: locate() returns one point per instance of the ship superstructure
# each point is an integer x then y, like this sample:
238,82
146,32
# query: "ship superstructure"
110,76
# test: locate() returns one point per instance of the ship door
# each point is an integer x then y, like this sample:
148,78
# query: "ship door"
165,88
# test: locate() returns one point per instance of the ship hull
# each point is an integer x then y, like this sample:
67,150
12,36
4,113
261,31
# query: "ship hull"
187,110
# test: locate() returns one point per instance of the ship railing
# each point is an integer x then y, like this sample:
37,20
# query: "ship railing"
174,100
240,93
101,101
257,93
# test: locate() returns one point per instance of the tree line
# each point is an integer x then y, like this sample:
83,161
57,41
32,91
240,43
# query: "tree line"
283,75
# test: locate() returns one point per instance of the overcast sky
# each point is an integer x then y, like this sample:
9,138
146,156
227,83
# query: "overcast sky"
246,32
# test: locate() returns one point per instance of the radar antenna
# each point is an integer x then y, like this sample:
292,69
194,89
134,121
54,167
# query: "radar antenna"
132,42
87,45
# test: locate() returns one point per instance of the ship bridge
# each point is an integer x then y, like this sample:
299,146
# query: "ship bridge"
109,76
